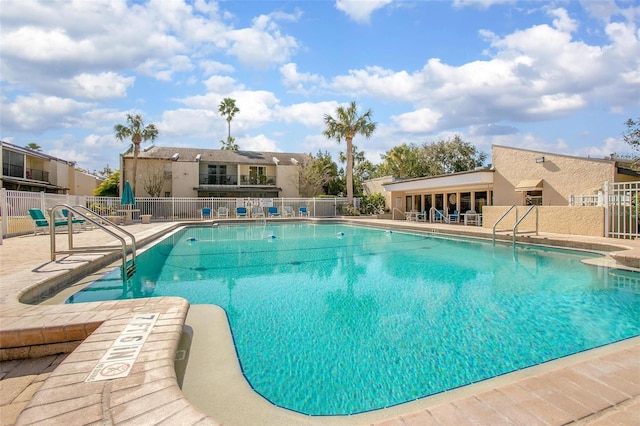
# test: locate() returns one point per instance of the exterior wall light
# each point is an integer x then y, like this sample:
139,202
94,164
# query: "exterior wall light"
540,160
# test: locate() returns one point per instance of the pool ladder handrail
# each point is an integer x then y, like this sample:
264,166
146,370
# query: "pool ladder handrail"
128,269
517,224
515,227
399,211
433,212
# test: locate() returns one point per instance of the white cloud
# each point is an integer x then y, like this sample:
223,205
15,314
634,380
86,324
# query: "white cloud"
307,113
98,86
609,146
262,45
212,67
562,21
360,10
221,84
558,103
484,4
197,123
423,120
257,143
39,113
296,81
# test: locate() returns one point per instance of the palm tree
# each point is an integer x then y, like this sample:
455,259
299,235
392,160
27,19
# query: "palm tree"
345,126
228,109
136,130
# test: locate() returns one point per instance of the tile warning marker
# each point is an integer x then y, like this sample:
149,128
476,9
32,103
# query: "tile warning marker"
118,360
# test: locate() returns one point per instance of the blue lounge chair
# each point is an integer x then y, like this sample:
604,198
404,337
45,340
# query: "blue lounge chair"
241,212
273,212
74,220
303,211
41,222
205,213
455,217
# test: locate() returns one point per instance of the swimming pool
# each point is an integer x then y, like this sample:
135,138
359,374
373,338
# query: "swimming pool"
333,319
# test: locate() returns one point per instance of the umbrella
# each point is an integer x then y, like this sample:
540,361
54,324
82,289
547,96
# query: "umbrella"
127,195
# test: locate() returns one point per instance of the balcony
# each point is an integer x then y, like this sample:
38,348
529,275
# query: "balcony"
36,174
218,180
257,180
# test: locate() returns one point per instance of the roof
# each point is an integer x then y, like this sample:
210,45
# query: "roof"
34,153
220,155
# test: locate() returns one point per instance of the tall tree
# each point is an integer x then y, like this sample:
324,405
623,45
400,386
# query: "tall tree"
402,161
317,175
228,109
450,156
153,178
346,125
33,146
109,187
632,135
136,130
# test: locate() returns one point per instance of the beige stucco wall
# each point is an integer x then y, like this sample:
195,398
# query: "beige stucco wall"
553,219
288,181
184,178
85,184
562,175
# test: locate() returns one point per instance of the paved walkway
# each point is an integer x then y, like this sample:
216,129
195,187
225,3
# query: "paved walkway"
599,387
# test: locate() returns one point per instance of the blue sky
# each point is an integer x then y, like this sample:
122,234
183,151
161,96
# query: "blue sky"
557,76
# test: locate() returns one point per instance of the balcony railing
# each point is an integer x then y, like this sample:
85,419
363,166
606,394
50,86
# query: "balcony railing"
36,174
218,180
257,180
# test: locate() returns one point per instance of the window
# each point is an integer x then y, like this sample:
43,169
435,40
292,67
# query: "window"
533,198
257,174
12,164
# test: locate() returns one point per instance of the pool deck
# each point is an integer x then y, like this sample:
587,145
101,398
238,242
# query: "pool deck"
39,385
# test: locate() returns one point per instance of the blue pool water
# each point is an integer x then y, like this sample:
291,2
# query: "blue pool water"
333,319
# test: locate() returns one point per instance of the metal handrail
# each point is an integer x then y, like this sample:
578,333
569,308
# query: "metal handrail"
375,209
433,211
90,215
400,211
500,220
515,228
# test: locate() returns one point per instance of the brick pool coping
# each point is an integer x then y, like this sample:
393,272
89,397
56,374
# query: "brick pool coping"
151,392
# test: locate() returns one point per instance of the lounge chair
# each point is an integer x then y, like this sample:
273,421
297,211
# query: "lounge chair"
74,220
455,217
41,222
257,211
241,212
422,216
288,211
205,213
273,212
223,212
303,211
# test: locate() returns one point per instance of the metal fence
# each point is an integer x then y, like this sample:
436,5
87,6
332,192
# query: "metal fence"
622,201
15,205
622,208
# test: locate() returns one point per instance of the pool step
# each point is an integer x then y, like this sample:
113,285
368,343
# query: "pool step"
130,269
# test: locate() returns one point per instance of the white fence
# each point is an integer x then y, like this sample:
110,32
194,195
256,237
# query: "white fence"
15,205
622,202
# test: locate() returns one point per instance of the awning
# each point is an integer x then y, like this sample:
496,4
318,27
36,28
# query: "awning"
529,185
32,183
